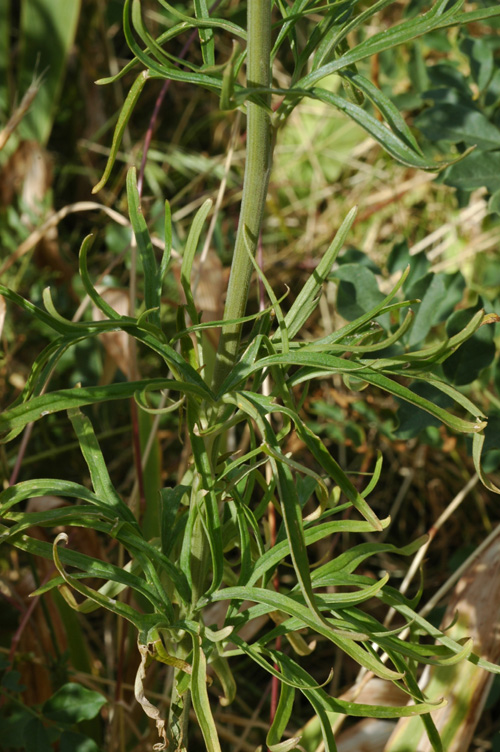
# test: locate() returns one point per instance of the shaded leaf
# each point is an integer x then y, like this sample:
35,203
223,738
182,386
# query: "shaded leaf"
457,123
465,365
73,703
439,293
36,738
358,290
412,420
475,171
72,742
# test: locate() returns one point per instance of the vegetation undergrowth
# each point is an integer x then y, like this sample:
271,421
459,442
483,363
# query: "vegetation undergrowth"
234,517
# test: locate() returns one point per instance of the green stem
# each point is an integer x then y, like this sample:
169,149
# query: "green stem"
255,183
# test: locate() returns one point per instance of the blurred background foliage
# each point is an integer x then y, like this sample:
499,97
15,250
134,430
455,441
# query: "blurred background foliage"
447,228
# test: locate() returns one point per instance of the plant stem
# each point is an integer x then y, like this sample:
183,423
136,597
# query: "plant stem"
255,183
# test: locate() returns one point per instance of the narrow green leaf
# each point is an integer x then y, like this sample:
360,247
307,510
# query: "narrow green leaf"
280,722
205,21
116,606
283,330
307,299
329,465
26,489
340,31
330,704
207,34
225,676
163,71
286,29
63,327
96,464
124,117
189,253
354,557
231,69
386,108
390,141
386,39
472,16
271,558
98,301
152,279
393,598
165,261
210,501
292,673
199,695
308,618
15,418
80,516
90,567
354,326
322,364
477,448
152,45
457,424
244,535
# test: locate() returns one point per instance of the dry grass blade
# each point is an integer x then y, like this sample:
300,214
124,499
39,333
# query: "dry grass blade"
20,111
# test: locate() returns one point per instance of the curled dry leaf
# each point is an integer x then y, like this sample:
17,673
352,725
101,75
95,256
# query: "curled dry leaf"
475,605
151,710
